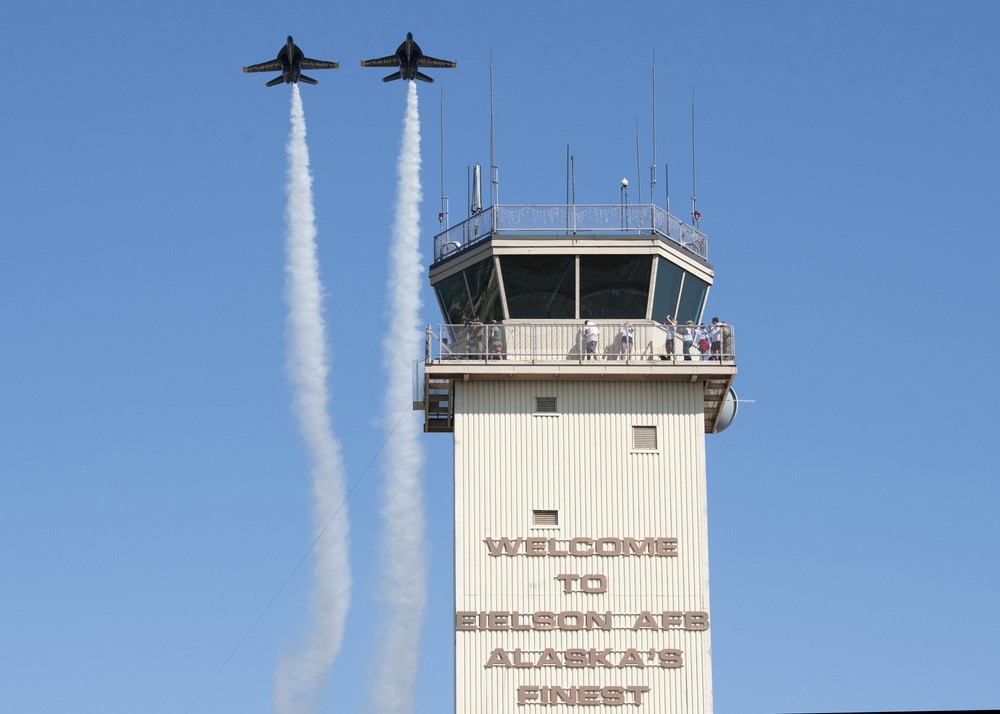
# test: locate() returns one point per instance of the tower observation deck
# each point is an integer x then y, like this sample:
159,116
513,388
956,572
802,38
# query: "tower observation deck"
580,511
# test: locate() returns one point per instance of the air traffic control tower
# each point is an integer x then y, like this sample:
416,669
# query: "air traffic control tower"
581,563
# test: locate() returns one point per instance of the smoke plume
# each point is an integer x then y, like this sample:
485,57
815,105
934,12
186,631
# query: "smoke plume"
405,553
299,678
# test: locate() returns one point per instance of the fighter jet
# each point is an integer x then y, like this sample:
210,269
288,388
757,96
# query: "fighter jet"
290,63
408,57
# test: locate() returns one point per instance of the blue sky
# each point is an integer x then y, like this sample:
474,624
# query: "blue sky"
154,488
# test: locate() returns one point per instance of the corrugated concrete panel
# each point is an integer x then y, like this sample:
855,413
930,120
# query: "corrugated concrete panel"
637,610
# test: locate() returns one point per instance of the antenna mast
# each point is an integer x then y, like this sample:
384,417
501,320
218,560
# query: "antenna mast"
572,164
443,216
638,166
652,168
695,216
569,159
494,169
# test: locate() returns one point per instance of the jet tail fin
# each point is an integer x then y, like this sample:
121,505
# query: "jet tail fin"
277,80
423,77
397,75
307,80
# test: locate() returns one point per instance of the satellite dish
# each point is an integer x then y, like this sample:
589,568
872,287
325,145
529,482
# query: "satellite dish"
728,411
449,248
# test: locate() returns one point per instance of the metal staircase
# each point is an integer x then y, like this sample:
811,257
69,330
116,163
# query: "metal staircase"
439,410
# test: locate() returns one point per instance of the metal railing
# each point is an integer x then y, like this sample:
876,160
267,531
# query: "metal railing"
574,219
563,342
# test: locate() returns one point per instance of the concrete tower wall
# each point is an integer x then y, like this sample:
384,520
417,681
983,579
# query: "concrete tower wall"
609,605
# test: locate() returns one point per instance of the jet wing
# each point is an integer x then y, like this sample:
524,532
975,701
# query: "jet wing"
390,61
426,61
272,66
317,64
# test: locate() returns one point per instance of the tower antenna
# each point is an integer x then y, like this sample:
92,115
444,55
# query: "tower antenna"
695,216
494,169
652,168
572,164
666,184
567,174
567,186
638,165
443,216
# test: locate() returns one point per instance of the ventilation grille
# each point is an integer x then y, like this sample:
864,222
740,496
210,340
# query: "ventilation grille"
545,404
545,518
644,438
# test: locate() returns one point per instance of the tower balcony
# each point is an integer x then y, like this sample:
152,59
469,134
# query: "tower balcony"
566,351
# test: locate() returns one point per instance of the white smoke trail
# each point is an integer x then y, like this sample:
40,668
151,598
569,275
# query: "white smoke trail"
404,557
298,679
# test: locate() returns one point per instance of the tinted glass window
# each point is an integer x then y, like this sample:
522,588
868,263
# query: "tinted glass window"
614,287
485,289
668,289
692,299
454,300
539,287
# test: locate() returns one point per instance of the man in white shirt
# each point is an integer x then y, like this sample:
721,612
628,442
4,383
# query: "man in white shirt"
715,333
591,333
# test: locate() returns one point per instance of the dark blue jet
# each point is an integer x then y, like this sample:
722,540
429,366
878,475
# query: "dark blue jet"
408,58
290,63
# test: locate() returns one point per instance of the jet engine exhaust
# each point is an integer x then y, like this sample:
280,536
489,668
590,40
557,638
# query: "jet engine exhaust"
300,678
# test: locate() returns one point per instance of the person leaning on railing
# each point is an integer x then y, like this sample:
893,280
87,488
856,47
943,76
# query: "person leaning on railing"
496,341
591,334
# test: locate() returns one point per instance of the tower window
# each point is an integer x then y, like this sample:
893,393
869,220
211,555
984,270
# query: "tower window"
644,438
545,405
545,518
